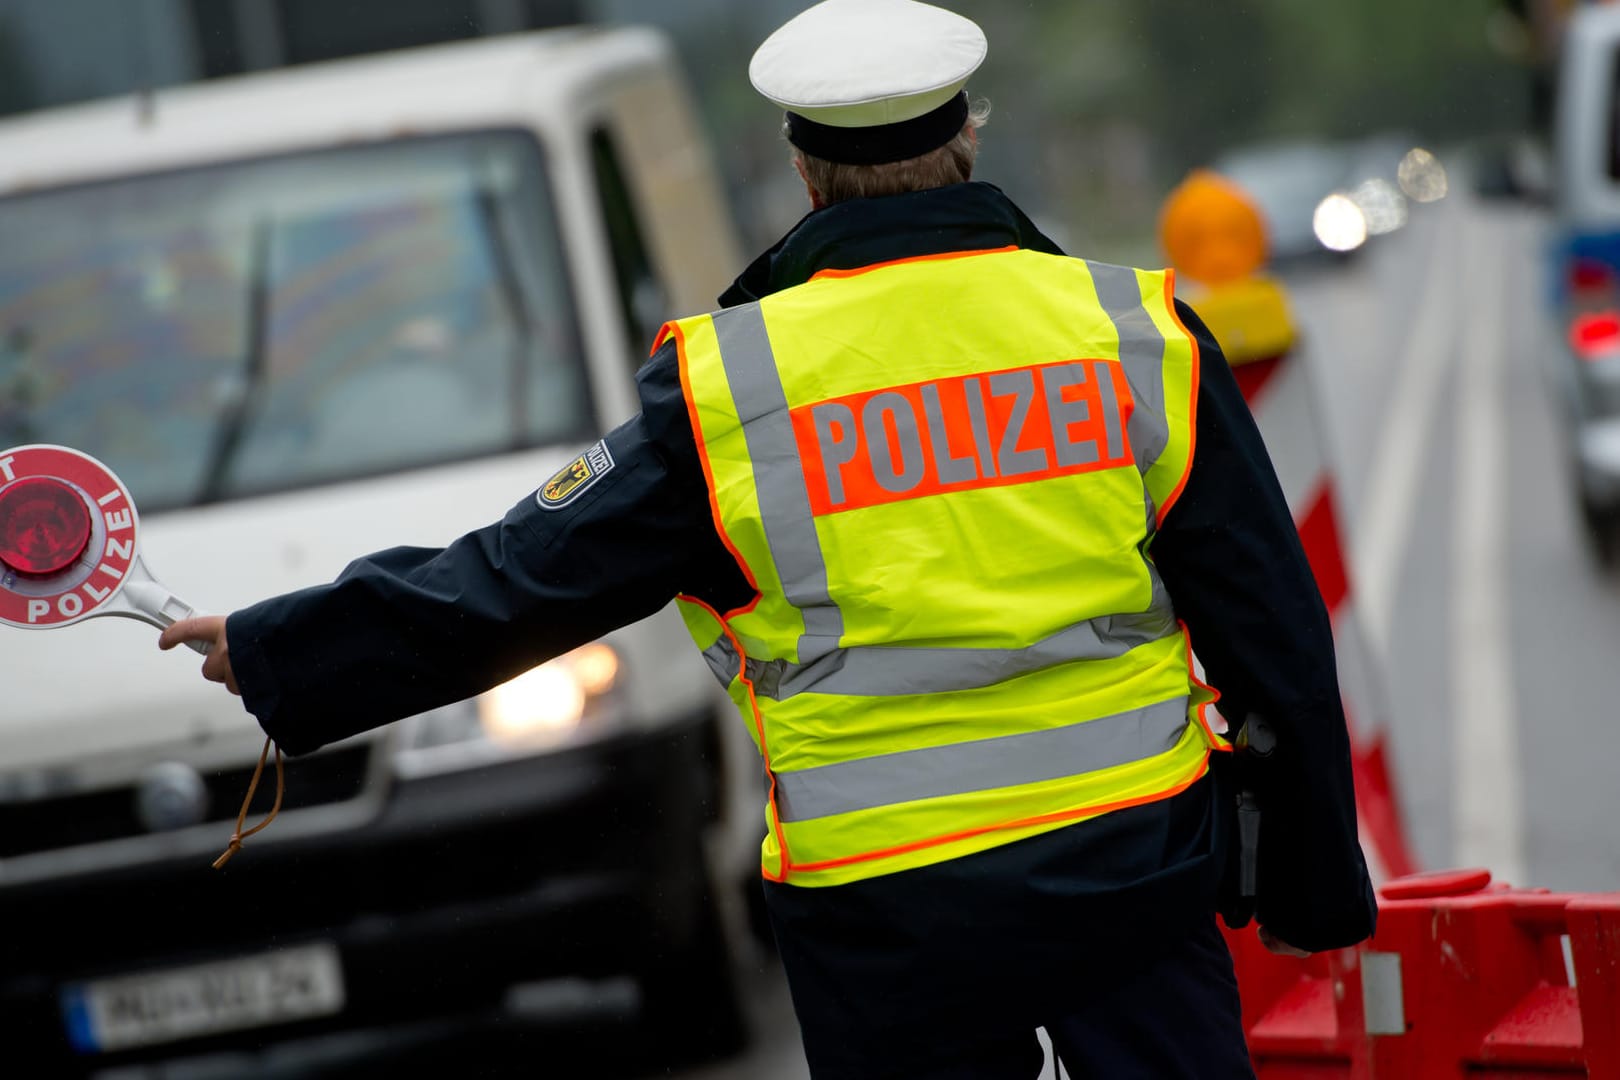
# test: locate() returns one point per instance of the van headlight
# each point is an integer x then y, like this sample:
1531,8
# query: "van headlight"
564,701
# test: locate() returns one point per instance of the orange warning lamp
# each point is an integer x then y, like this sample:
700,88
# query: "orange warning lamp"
1211,231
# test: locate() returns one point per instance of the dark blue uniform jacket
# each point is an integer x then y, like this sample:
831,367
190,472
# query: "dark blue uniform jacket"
408,629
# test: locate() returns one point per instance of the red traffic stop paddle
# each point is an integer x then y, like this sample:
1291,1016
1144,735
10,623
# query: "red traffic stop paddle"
69,545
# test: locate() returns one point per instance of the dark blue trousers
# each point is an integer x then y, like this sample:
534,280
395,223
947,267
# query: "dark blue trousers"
1173,1018
1103,933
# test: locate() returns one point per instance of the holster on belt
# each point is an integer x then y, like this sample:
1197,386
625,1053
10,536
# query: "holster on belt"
1242,779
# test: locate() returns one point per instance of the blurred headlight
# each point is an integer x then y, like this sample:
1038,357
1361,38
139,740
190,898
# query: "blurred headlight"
596,666
1422,176
546,700
561,702
1382,204
1339,223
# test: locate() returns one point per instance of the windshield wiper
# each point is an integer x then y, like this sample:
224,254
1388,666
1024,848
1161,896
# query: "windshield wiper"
255,358
511,286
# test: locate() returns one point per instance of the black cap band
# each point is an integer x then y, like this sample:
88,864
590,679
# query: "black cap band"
881,144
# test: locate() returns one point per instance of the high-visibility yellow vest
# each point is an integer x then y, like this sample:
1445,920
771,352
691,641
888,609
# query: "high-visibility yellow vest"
941,475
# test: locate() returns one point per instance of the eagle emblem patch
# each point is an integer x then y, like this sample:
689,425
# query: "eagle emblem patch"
573,479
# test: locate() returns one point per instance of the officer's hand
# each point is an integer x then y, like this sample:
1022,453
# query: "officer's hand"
1278,945
206,628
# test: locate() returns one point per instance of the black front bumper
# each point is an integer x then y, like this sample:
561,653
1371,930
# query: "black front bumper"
581,863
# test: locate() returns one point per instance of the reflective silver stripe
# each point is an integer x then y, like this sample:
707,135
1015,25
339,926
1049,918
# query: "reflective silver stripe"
890,670
784,503
1141,354
723,660
981,765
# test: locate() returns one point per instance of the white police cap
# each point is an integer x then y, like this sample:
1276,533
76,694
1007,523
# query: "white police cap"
870,81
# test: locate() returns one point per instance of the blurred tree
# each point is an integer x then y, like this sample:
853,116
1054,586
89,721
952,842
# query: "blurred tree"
1391,64
1204,76
14,83
1214,70
1129,97
1099,106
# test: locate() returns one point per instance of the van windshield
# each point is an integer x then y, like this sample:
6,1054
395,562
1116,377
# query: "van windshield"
291,321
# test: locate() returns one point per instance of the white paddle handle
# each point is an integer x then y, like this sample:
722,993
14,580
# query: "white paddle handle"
160,607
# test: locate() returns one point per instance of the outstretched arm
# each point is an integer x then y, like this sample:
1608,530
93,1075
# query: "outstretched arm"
409,629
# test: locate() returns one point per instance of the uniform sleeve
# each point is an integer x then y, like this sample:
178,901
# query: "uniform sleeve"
1231,558
408,629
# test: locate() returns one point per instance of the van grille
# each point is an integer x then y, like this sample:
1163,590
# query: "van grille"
51,824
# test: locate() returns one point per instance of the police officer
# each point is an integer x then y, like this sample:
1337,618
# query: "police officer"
945,509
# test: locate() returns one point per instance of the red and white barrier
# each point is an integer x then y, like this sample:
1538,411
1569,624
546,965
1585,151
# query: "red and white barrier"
1463,979
1280,395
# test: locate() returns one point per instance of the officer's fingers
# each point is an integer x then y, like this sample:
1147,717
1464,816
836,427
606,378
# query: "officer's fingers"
217,666
230,676
208,628
1279,946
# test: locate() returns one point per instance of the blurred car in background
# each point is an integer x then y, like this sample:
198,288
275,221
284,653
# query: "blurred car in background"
1586,266
306,315
1289,182
1327,199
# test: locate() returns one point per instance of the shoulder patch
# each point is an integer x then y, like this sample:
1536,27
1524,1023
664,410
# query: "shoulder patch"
573,479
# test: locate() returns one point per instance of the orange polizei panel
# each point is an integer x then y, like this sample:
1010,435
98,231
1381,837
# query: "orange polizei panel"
994,429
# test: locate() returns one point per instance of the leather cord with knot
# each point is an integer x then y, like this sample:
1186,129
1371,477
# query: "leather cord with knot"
241,818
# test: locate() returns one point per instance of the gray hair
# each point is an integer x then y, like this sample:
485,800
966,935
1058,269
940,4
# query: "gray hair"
948,164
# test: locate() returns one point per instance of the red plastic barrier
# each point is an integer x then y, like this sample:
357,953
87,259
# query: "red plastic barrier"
1461,980
1594,938
1293,1012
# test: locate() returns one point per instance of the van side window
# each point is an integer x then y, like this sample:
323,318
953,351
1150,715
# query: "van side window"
641,296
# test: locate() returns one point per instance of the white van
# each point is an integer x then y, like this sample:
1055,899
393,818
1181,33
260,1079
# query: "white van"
1586,270
307,315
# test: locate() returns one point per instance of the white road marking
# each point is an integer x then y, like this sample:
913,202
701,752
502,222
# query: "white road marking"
1379,544
1487,789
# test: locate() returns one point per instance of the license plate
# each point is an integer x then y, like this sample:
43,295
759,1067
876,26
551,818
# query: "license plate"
180,1003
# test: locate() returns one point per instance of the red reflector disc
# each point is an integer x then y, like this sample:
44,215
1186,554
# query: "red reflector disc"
44,525
1595,333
